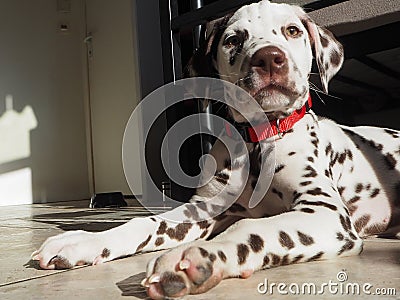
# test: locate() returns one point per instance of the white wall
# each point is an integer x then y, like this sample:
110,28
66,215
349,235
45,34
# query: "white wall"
42,68
114,91
73,117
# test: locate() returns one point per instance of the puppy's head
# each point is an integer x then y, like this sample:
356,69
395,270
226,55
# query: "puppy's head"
267,49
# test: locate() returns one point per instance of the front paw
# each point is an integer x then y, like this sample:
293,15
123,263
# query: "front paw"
72,248
182,271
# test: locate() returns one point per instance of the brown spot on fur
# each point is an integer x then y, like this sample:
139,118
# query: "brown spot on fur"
179,232
342,157
60,263
203,224
242,253
348,223
221,255
376,228
341,189
292,153
285,240
318,203
344,223
275,259
311,173
347,246
335,58
352,235
256,242
162,228
374,193
105,253
316,256
212,257
297,258
349,154
265,261
279,168
328,149
361,222
352,209
143,244
285,260
304,183
153,219
378,147
393,133
318,192
307,210
354,199
305,239
359,188
390,161
204,233
159,241
203,252
340,236
296,195
324,41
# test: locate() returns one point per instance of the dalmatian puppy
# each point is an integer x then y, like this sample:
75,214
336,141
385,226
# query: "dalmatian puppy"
332,184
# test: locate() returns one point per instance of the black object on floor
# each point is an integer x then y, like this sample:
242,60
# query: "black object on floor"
103,200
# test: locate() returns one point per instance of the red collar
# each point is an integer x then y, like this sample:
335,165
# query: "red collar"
266,130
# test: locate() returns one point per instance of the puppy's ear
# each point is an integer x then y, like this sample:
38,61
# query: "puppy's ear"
202,63
328,52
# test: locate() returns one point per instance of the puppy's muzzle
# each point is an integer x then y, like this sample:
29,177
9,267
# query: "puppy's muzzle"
269,61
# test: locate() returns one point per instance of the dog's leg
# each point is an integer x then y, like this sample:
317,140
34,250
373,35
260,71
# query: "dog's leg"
313,230
140,234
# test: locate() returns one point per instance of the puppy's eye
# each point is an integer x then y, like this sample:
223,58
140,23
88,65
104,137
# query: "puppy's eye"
293,31
232,41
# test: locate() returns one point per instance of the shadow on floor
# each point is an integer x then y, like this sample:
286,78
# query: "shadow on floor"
87,226
77,220
131,286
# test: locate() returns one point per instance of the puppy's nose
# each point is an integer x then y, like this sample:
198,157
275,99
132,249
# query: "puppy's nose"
269,59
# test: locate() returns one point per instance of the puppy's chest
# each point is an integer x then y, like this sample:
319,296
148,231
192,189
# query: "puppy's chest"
298,161
278,170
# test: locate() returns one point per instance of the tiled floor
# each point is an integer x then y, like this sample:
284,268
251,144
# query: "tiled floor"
24,228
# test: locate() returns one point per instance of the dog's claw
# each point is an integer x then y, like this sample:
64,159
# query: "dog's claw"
145,283
35,255
155,278
184,264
